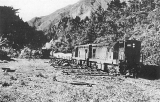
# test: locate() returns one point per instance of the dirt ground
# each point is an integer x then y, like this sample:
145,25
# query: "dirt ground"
37,81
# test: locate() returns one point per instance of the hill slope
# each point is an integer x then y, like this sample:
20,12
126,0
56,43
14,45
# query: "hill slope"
82,9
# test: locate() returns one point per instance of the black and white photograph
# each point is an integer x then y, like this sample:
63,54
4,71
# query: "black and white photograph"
79,50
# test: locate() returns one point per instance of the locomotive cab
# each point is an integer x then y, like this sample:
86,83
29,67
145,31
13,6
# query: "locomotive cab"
129,56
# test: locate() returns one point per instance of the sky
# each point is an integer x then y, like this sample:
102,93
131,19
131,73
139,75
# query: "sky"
29,9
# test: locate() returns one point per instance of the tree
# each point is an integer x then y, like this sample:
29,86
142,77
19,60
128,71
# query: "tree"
3,41
18,32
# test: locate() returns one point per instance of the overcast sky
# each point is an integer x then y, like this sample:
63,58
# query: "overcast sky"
36,8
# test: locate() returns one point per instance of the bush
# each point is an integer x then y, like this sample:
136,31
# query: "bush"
29,53
150,72
3,55
25,53
13,53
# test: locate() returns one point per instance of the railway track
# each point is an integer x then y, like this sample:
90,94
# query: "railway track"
80,70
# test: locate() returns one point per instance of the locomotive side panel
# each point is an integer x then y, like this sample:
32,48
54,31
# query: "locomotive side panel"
81,54
99,56
104,55
99,53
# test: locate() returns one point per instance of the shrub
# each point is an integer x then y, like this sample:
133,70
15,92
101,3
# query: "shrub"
3,55
25,53
6,84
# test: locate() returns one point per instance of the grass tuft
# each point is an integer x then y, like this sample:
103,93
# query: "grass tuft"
6,84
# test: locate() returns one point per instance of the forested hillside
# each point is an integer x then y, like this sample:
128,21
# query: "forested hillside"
130,19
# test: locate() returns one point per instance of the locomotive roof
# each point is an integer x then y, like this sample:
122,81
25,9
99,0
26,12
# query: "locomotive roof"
98,45
106,44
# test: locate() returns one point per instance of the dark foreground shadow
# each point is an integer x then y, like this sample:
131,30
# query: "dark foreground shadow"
77,83
150,72
7,59
8,70
10,59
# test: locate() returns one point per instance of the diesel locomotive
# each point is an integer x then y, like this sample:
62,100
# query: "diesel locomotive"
122,56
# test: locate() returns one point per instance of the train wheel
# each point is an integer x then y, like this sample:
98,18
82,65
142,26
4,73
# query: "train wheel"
135,72
123,68
112,70
117,70
106,68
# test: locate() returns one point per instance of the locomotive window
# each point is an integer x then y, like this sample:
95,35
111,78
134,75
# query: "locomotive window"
86,50
128,45
94,53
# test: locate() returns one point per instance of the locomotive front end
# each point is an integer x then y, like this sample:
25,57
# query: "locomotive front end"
129,56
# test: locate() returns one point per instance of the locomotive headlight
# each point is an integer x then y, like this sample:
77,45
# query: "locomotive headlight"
133,45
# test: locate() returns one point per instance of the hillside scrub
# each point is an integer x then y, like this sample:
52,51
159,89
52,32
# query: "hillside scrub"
28,53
